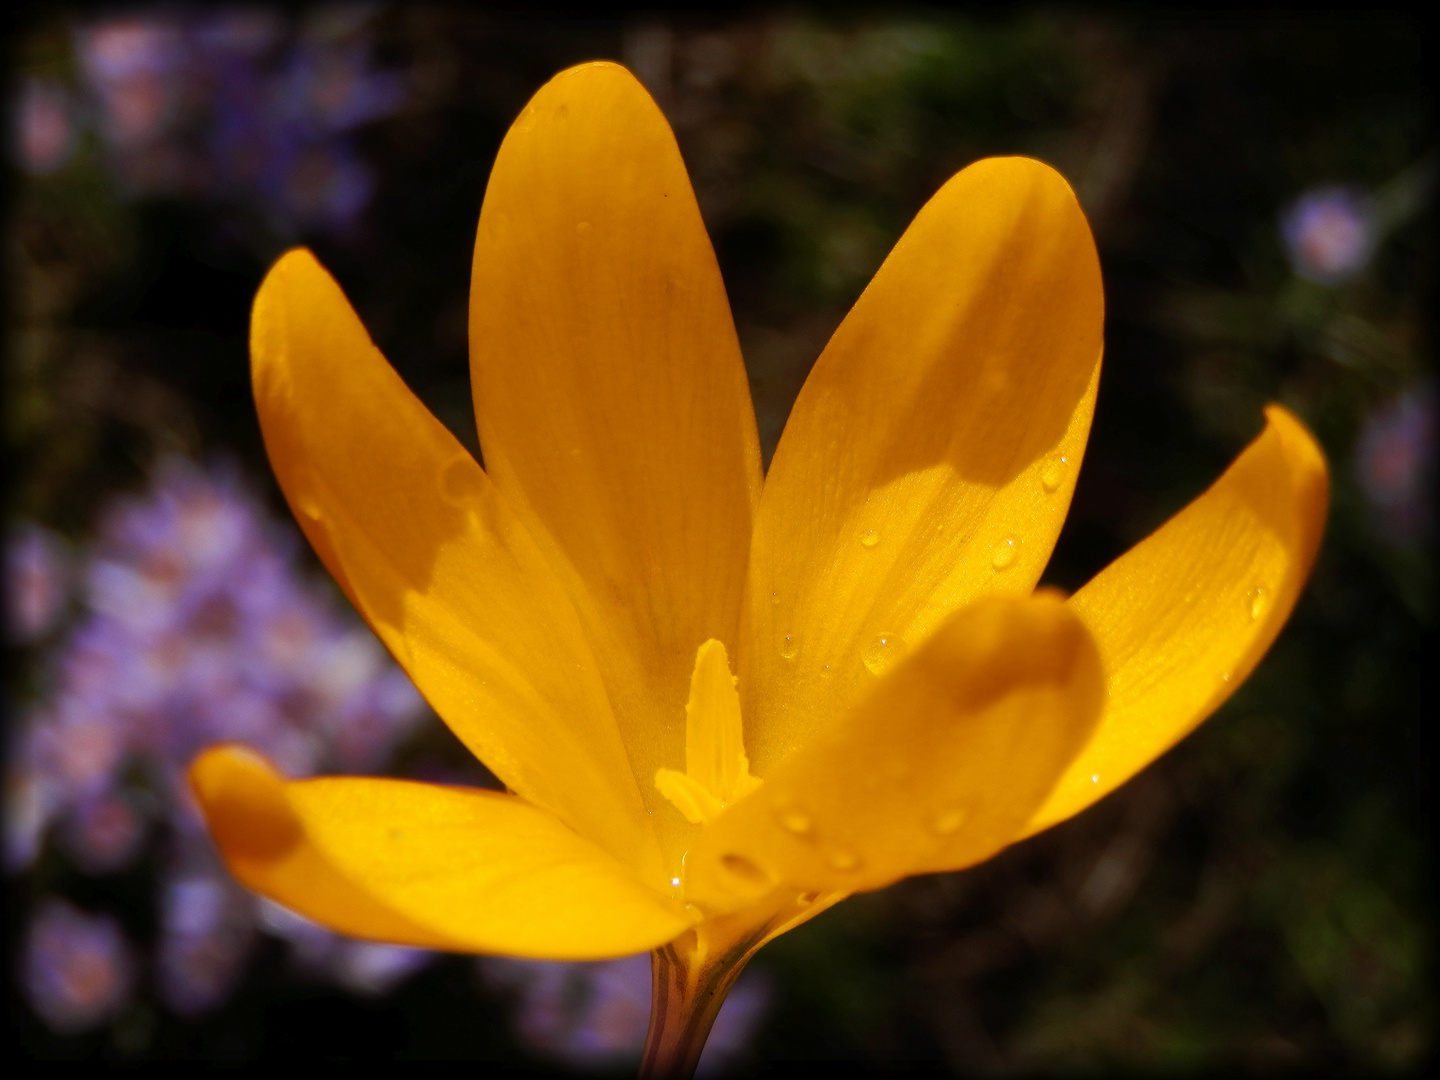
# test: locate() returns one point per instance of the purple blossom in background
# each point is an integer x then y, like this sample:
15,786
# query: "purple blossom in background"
197,629
239,105
595,1015
43,127
1329,234
1395,460
37,582
77,968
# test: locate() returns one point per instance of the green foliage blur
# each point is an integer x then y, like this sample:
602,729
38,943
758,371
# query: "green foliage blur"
1260,899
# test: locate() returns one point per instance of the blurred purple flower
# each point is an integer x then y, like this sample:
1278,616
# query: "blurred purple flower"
1395,462
104,832
1329,234
44,127
235,104
37,581
595,1015
363,967
199,630
78,968
207,929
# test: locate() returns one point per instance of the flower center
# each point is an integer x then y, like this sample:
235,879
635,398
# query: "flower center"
717,771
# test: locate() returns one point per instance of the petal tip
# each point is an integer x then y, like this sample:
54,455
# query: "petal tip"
243,799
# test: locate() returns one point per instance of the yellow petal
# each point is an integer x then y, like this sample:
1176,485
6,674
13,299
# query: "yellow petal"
1183,617
432,557
612,403
940,766
931,455
419,864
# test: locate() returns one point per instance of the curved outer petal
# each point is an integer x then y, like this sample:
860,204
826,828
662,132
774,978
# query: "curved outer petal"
922,464
612,403
940,766
448,868
1184,616
432,557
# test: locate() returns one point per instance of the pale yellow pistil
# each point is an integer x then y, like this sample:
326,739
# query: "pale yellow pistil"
717,773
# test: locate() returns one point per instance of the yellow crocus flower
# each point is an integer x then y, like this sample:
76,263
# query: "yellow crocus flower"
722,702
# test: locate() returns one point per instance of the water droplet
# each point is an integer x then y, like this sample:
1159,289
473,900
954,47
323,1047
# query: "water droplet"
1258,599
774,598
745,871
883,652
844,860
307,504
1054,473
1094,778
1004,555
674,882
790,647
796,821
869,538
1225,677
461,480
948,821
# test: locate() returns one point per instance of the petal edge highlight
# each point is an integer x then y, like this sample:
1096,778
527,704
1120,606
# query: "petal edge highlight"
1184,616
450,868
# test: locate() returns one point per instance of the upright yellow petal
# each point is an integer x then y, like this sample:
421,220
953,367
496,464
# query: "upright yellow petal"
419,864
940,766
931,455
1184,616
613,407
433,558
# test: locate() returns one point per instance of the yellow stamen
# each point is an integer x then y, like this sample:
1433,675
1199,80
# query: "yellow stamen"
717,772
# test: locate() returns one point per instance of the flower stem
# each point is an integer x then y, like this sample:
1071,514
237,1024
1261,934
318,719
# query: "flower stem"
692,974
686,997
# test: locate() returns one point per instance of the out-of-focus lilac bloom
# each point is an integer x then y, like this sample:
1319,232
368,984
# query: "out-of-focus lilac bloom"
207,931
595,1015
44,127
104,832
37,582
372,969
237,105
134,64
78,968
364,967
1329,234
1395,462
320,185
199,630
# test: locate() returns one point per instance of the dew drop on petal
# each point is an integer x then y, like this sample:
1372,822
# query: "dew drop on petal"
883,652
1004,556
774,598
948,821
745,870
869,538
843,860
789,647
461,480
1094,778
1054,473
674,882
1258,601
796,821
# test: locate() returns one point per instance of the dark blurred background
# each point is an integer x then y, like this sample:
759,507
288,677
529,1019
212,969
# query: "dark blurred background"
1261,190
